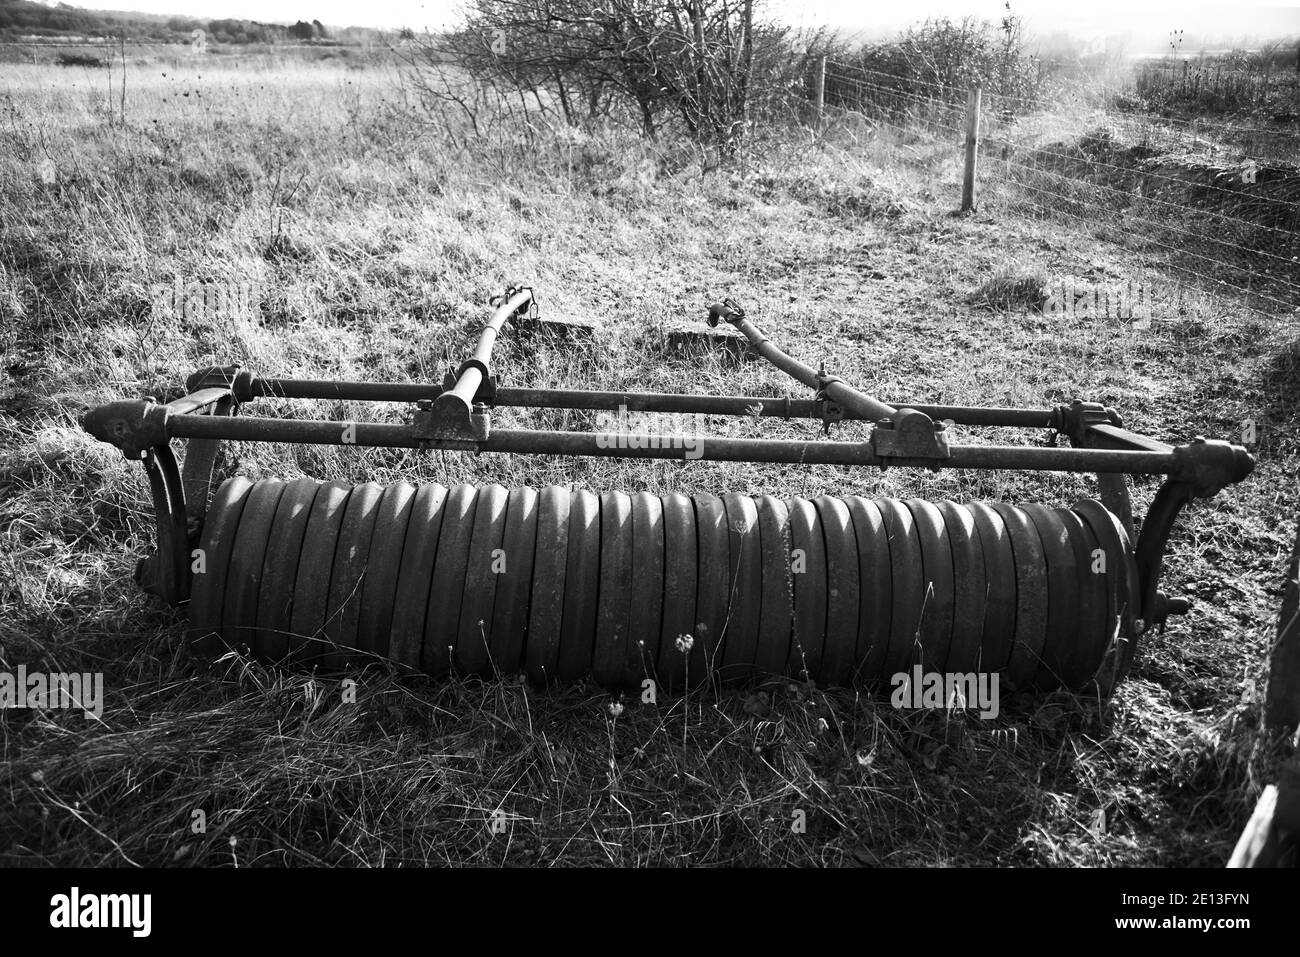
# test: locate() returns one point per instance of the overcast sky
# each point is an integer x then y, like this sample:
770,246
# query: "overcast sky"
1093,18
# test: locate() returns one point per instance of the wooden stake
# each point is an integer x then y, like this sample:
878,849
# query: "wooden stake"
821,92
1282,695
972,149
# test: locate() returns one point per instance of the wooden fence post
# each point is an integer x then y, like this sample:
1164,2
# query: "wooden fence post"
1282,695
821,92
1270,837
972,149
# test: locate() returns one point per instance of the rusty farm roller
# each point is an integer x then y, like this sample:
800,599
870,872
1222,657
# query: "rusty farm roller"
837,589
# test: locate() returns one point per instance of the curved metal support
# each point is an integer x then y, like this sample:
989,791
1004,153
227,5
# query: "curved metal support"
166,573
200,460
1115,496
1082,421
1150,553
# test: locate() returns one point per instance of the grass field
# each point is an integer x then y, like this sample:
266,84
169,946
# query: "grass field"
371,248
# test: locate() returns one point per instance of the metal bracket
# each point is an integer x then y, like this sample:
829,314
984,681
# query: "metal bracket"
728,310
201,454
1208,466
910,435
197,468
829,410
233,377
1075,419
449,418
511,290
133,425
139,428
487,389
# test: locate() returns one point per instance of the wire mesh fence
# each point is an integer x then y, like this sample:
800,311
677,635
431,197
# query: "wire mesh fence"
1213,202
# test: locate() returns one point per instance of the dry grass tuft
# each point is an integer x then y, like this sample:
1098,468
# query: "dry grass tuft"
1007,291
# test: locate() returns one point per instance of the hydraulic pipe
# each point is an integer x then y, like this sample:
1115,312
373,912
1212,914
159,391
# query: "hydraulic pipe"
835,388
474,370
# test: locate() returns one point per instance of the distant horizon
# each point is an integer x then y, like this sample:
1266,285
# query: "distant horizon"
1143,28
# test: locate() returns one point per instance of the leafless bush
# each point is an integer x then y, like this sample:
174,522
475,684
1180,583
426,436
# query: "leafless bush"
943,59
704,66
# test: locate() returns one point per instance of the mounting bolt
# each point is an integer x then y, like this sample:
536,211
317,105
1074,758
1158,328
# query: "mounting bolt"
1139,625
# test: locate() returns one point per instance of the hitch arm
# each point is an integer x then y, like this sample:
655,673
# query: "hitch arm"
834,388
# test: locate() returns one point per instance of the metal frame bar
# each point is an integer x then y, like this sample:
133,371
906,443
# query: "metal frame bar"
784,407
640,445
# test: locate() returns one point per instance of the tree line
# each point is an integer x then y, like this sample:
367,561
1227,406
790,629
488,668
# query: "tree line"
20,18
